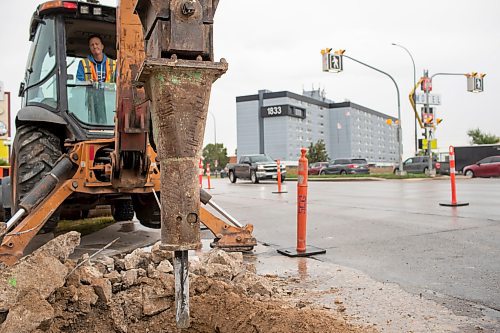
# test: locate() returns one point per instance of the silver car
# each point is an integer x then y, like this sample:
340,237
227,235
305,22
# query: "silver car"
417,164
344,166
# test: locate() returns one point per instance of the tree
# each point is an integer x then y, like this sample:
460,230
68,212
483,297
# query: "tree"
317,152
480,138
212,153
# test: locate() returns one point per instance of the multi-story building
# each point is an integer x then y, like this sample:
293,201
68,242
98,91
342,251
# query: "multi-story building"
280,123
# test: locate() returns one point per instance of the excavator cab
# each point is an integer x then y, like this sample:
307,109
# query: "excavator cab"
59,110
51,91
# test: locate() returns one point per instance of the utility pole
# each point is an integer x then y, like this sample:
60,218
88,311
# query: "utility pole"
428,125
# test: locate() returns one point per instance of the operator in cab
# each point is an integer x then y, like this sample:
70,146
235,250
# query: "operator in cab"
100,70
97,67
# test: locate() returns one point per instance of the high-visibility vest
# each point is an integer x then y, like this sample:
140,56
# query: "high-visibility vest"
91,73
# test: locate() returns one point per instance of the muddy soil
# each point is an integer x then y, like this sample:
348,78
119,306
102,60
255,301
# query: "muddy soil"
47,292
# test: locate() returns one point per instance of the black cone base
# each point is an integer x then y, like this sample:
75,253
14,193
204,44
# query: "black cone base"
458,204
310,251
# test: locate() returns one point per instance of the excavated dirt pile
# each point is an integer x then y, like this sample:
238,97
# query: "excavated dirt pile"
47,292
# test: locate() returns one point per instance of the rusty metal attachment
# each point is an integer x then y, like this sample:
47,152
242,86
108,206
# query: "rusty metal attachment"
180,27
180,91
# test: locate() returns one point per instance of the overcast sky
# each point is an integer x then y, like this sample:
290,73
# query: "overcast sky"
275,45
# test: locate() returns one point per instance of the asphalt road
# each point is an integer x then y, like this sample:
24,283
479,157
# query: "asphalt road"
393,230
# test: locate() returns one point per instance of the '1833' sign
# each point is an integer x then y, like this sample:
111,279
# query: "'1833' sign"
282,110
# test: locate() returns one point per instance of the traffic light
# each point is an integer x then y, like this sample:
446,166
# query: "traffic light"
388,121
475,82
427,115
426,84
438,121
332,62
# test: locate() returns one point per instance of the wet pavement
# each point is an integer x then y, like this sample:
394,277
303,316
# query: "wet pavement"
395,258
393,231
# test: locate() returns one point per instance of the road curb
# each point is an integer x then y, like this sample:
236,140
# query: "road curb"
347,179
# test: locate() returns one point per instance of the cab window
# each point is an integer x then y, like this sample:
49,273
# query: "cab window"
41,77
90,102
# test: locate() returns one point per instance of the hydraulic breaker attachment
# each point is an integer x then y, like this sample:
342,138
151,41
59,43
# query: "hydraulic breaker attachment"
178,74
46,197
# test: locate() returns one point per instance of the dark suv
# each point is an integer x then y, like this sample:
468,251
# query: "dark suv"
417,164
344,166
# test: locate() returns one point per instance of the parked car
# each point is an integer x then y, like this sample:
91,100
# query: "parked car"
255,168
418,164
315,168
487,167
345,166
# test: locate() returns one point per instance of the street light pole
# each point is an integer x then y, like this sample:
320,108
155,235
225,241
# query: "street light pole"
414,83
400,132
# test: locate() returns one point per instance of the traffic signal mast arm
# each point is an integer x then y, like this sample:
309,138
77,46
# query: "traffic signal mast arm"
454,74
472,78
414,105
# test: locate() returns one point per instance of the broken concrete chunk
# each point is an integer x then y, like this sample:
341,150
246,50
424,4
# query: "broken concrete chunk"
118,318
113,277
86,298
102,288
73,294
107,262
253,284
60,247
153,273
196,267
88,274
22,277
29,313
137,259
219,257
219,271
129,278
158,255
165,266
